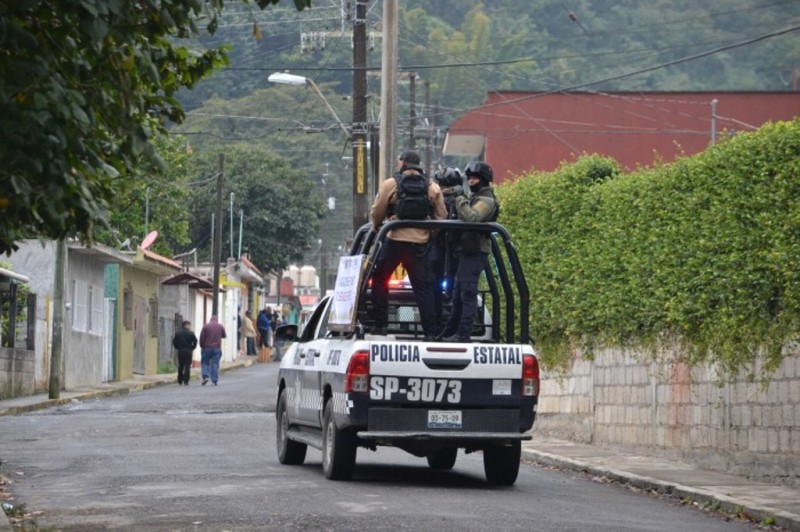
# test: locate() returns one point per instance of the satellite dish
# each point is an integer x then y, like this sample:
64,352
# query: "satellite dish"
149,239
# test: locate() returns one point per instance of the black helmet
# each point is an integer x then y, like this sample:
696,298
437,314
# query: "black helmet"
449,177
480,169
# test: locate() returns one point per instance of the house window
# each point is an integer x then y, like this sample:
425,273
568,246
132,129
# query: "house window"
153,316
79,307
89,291
127,308
95,313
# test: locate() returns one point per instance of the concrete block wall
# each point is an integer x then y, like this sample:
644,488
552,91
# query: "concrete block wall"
621,398
568,402
16,372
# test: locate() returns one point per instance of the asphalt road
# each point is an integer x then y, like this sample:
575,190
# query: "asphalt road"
203,458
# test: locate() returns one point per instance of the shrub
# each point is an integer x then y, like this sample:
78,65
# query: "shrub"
701,253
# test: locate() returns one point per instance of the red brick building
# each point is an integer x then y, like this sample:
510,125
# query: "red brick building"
520,131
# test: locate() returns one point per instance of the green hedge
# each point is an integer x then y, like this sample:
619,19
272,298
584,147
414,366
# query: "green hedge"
703,253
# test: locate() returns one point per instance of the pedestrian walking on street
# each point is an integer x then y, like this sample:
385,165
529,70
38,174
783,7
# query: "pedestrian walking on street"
211,349
185,343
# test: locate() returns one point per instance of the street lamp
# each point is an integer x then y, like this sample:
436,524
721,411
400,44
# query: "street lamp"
292,79
357,136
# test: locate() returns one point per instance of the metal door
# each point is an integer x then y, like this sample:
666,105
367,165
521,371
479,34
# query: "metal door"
109,338
139,334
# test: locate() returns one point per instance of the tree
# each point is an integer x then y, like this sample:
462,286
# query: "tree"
280,207
153,201
84,86
291,123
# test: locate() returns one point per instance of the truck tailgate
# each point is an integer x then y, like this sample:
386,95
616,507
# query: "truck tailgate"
452,375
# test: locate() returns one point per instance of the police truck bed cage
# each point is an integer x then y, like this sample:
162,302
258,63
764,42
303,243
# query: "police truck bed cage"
506,294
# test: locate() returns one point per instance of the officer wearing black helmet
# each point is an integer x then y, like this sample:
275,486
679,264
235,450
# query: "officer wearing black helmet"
441,256
473,249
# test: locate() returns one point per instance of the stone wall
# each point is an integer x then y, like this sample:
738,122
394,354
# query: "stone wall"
16,372
742,427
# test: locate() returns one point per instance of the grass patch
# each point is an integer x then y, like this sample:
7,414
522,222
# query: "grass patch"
167,367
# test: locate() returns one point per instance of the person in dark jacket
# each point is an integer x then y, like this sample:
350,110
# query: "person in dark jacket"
211,336
185,343
264,326
473,249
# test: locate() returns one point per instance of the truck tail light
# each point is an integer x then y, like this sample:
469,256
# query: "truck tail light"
356,379
530,376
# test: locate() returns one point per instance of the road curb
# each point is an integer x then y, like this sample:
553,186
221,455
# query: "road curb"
704,498
48,403
114,389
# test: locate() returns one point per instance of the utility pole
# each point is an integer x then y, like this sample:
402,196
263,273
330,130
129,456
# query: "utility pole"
359,127
412,109
435,134
323,278
241,228
323,267
714,103
232,195
58,320
388,87
146,209
375,158
218,235
428,161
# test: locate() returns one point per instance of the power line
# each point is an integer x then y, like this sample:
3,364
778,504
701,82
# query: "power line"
625,75
651,68
470,64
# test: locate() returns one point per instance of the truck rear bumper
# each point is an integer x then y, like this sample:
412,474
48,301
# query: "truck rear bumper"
442,435
473,421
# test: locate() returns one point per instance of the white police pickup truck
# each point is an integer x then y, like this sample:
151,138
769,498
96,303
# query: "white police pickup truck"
339,390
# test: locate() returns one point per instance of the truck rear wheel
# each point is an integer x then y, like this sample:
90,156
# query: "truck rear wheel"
443,459
501,463
338,448
289,452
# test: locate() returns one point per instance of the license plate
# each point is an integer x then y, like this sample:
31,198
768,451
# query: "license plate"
444,419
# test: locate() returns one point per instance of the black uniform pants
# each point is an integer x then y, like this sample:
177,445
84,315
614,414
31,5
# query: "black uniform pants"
184,366
465,293
414,258
443,264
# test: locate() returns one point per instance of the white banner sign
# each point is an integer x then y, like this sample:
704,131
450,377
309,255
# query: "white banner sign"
345,296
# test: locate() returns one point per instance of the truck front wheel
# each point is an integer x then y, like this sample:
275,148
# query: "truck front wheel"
338,448
501,463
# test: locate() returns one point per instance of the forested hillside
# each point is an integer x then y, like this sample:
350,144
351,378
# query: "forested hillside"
462,49
467,47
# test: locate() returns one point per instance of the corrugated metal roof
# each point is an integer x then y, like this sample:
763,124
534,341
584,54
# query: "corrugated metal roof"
155,263
526,131
192,280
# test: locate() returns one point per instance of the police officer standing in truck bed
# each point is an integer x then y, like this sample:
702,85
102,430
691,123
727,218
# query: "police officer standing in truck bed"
473,250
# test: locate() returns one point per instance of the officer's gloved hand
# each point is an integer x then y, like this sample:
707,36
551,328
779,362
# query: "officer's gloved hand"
458,190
